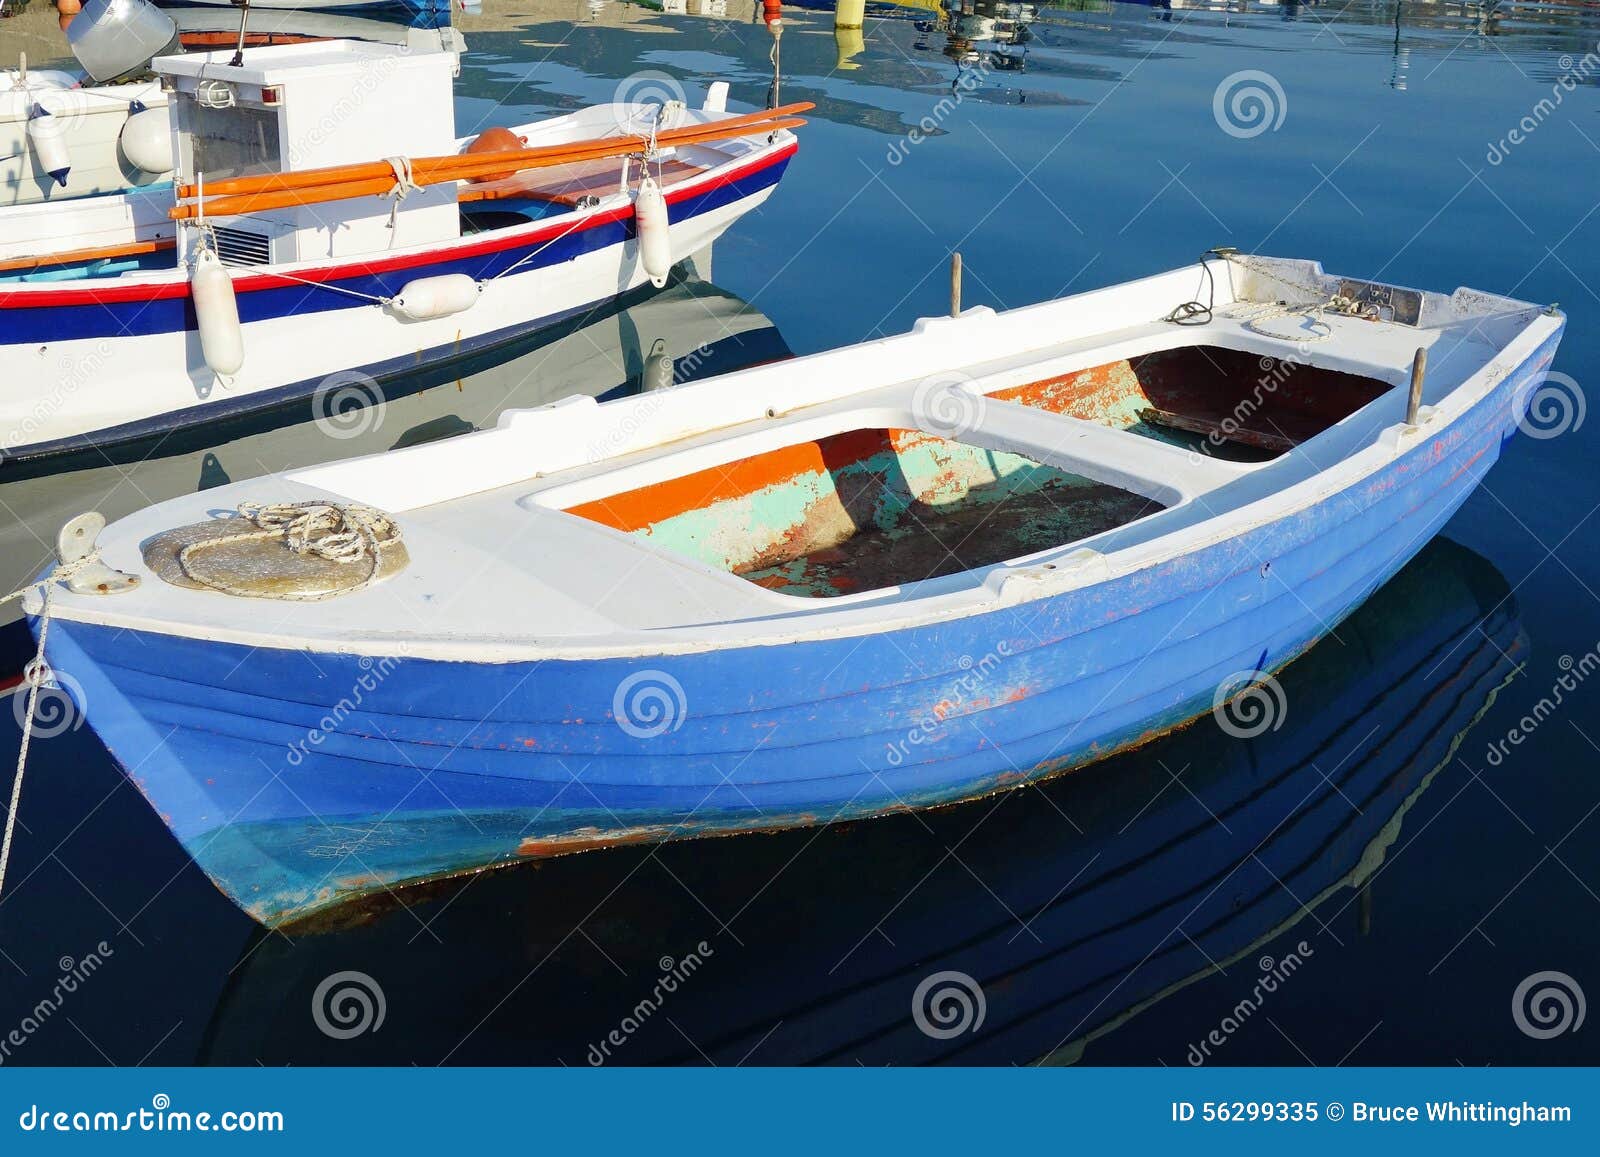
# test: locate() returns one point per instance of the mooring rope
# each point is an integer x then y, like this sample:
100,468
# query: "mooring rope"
338,533
34,675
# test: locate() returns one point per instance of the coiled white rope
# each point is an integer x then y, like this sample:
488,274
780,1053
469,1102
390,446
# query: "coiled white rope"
331,531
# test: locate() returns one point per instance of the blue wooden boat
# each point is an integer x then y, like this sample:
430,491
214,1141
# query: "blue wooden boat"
887,577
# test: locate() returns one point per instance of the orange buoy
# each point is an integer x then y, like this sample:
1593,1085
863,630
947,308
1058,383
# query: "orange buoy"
772,13
69,7
494,140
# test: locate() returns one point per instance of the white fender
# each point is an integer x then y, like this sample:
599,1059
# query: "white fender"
655,246
146,141
659,368
424,298
221,337
47,135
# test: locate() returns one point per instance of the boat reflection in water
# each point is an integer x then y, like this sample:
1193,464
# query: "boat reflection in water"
1072,907
647,340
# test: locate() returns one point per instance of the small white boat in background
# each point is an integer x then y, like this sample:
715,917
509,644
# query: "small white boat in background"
65,135
61,138
277,268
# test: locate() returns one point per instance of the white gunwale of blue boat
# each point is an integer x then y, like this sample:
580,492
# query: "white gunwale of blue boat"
499,573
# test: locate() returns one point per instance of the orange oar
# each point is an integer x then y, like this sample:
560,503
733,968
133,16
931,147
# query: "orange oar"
291,198
511,158
461,168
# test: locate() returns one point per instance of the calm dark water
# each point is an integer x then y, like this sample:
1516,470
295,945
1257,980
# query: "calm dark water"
1390,863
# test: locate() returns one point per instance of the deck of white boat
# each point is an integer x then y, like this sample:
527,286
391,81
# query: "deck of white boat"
504,569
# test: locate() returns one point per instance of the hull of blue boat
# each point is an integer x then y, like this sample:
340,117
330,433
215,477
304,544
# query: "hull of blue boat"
300,780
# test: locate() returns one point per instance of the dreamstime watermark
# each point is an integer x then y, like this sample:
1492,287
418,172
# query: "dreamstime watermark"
673,974
973,678
160,1117
947,1004
947,404
1249,703
1548,1004
1275,371
640,93
1573,74
1273,974
59,706
369,79
659,375
967,81
1557,406
1574,673
348,1004
75,368
55,112
649,703
73,975
348,404
373,673
1248,103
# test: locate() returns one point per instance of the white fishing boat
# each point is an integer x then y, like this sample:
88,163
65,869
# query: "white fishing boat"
890,576
285,260
61,138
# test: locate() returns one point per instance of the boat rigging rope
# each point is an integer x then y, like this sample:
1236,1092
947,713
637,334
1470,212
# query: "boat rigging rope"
35,675
326,530
529,256
1200,312
404,185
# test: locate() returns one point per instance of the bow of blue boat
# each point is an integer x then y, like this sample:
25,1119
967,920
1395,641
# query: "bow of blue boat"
891,576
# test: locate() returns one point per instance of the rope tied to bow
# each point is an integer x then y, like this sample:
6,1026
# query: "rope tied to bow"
35,675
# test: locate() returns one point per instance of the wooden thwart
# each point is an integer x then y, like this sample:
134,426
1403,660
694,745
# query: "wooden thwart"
1260,439
73,256
566,185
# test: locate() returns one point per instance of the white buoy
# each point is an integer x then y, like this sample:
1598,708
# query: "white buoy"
47,135
221,337
655,246
146,141
430,297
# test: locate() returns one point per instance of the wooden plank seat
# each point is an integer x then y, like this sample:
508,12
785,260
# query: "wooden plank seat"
565,184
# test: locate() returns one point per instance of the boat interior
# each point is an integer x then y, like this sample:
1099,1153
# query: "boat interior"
866,508
827,488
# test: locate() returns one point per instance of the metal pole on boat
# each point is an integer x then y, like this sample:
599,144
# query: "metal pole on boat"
1419,366
955,284
244,20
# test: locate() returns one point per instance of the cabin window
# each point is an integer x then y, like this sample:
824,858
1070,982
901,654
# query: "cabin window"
230,142
867,509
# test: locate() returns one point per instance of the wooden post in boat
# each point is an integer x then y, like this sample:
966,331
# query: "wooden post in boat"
955,284
1419,366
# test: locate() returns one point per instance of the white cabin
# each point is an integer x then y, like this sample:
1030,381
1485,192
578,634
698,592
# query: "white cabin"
294,107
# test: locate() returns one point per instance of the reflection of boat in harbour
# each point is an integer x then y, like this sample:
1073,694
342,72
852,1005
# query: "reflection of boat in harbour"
1073,908
689,330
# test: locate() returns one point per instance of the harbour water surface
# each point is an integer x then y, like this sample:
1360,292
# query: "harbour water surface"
1387,876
